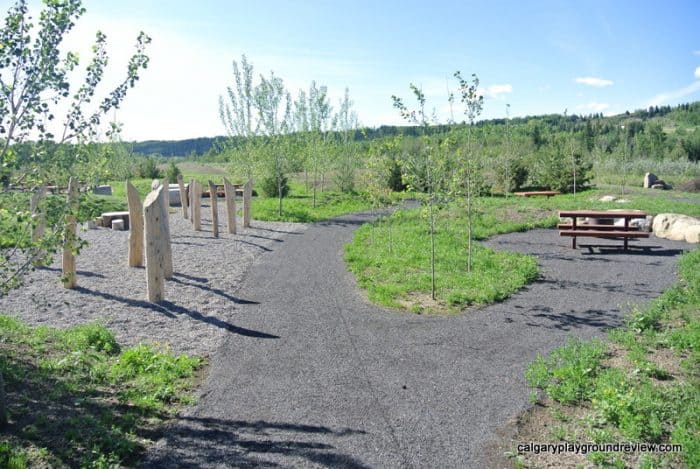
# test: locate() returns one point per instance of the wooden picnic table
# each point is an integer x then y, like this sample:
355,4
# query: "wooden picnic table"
601,230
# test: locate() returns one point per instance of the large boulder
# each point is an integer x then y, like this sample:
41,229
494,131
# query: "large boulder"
102,190
677,227
649,180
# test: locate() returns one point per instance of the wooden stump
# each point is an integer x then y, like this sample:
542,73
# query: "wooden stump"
230,193
70,237
154,227
247,197
136,226
167,248
197,206
183,195
214,197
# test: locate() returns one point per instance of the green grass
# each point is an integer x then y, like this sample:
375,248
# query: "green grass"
76,399
391,258
641,398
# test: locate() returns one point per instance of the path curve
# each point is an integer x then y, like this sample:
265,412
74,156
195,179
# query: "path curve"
343,383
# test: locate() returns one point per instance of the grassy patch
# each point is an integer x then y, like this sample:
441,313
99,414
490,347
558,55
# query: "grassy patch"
391,258
299,206
642,386
75,399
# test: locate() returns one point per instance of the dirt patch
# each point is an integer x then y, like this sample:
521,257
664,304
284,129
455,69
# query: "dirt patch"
420,302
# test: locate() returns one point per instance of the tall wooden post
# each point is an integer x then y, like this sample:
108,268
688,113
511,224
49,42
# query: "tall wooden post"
167,248
247,197
183,195
70,237
230,193
154,228
135,226
39,225
214,196
191,200
197,206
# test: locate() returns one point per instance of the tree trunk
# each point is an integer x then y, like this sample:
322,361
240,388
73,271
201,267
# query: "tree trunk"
70,236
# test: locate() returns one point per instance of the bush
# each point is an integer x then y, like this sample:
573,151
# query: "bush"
553,169
148,170
172,172
690,186
270,186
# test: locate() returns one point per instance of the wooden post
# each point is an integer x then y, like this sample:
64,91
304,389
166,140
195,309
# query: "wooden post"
214,197
135,226
70,237
183,197
167,248
191,200
38,215
197,206
230,193
247,195
154,227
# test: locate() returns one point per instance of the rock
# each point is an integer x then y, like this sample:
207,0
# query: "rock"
642,224
676,227
174,195
608,198
155,184
622,201
102,190
118,225
91,224
661,185
649,180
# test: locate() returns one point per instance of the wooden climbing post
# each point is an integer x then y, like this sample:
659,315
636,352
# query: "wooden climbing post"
167,248
70,237
135,226
183,195
154,228
230,193
214,197
247,197
197,205
39,225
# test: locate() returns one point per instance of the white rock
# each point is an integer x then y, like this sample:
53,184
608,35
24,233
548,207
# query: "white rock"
608,198
622,201
649,180
676,227
102,190
118,225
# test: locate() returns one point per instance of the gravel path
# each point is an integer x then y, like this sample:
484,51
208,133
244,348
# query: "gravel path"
202,302
328,379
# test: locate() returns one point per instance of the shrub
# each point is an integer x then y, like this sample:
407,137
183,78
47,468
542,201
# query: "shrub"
148,169
172,172
270,186
91,336
690,186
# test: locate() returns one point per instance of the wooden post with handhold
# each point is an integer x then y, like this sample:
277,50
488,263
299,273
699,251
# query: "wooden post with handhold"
247,196
167,248
183,195
230,193
39,225
154,228
135,226
70,237
197,206
214,197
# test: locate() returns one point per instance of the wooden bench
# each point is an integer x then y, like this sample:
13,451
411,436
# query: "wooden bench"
532,193
106,219
598,230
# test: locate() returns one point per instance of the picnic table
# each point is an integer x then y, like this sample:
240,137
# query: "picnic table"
601,229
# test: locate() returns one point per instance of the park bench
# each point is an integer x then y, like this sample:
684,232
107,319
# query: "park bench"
601,229
106,219
535,193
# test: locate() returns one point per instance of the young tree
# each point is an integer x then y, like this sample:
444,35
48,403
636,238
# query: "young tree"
419,117
473,104
34,82
345,122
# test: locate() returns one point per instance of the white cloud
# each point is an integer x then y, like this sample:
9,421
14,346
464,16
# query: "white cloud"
593,81
668,96
495,91
593,107
697,73
696,52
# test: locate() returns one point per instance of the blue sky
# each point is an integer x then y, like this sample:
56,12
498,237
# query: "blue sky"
538,56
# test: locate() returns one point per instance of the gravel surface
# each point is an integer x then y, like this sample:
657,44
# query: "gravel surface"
327,379
202,300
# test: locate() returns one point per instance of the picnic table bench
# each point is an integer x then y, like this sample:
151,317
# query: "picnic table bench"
531,193
601,230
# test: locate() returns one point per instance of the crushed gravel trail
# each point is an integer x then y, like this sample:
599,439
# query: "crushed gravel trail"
324,378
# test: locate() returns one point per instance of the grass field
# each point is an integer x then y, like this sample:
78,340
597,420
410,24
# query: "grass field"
75,399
